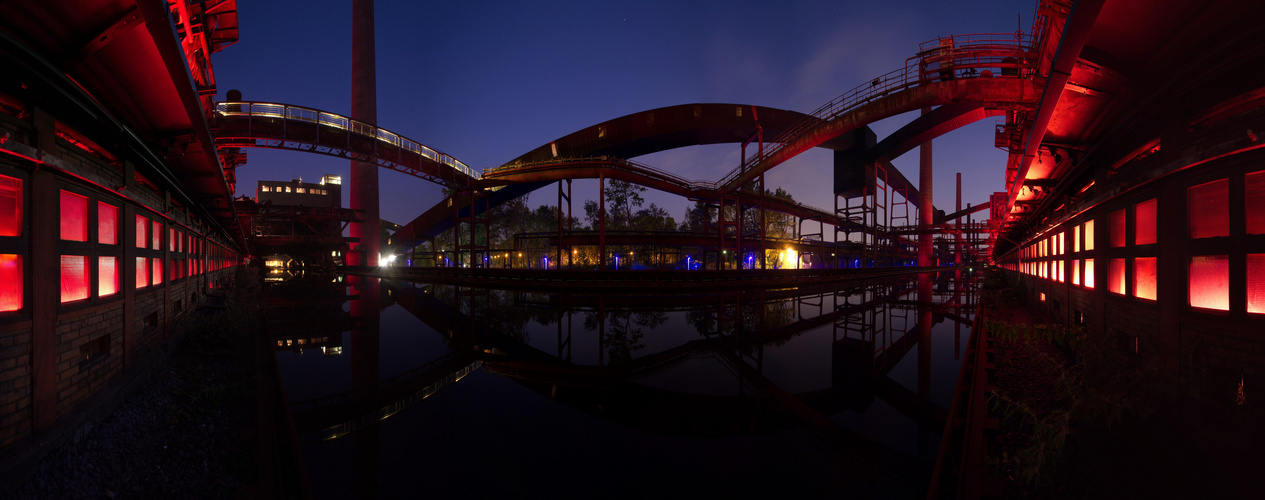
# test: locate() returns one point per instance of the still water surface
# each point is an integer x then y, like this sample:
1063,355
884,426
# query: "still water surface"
426,389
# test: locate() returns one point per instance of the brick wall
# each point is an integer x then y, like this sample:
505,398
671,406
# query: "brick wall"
15,383
83,363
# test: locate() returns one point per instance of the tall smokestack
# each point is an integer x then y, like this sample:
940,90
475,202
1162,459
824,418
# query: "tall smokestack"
364,107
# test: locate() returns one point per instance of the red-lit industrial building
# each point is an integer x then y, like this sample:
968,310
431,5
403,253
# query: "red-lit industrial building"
115,213
1137,205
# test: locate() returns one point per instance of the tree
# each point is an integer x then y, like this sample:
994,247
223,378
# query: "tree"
622,201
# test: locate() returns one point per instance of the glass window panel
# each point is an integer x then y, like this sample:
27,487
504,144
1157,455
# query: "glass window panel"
1117,229
1255,202
142,272
1076,275
1076,238
1210,282
74,277
157,234
74,217
142,232
107,276
1089,235
11,277
1115,276
107,224
171,238
10,209
158,270
1144,277
1209,209
1089,273
1255,283
1144,217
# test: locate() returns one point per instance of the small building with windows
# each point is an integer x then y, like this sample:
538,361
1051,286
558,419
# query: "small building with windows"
327,193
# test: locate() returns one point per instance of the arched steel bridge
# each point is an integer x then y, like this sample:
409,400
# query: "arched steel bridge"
969,77
285,126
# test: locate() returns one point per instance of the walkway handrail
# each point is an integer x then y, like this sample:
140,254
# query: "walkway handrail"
942,59
316,116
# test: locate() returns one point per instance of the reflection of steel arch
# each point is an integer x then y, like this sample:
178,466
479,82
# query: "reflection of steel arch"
282,126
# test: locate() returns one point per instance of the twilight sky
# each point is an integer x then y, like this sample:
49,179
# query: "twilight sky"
487,81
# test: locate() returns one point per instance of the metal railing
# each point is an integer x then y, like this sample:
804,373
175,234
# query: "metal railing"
327,119
943,59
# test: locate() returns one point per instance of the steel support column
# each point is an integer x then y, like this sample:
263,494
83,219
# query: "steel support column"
926,210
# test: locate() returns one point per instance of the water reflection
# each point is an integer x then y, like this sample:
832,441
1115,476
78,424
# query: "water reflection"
821,390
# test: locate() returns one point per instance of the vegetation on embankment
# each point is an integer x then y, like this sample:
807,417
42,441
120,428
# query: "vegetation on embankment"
1081,419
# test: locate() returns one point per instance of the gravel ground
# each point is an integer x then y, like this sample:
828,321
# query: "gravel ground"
177,436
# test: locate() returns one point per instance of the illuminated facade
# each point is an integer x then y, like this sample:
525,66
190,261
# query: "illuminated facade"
1140,213
114,221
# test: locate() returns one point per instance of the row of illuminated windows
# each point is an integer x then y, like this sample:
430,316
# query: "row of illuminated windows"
1208,216
1208,283
80,261
288,189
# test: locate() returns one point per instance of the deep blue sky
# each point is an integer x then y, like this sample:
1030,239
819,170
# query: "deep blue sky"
488,81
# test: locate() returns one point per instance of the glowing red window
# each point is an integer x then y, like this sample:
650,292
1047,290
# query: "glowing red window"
11,276
1089,273
74,277
107,224
158,270
1144,277
1076,239
157,233
142,272
1115,276
1076,275
1089,235
1144,221
74,217
142,232
171,238
1117,228
1255,187
1209,209
107,276
10,209
1255,283
1210,282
